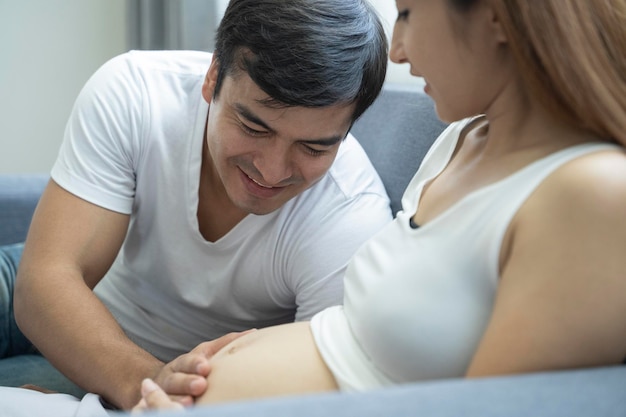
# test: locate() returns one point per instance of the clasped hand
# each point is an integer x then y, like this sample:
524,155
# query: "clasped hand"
182,380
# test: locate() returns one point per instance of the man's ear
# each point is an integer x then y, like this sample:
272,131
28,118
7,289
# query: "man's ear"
210,79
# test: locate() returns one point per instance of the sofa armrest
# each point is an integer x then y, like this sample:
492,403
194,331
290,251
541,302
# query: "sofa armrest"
19,194
596,392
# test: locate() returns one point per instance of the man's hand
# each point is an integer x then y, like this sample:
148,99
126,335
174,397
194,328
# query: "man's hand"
184,378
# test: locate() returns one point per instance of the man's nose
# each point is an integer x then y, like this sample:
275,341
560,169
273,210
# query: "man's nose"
275,165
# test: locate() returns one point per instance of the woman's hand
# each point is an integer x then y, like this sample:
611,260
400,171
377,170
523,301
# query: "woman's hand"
38,388
154,398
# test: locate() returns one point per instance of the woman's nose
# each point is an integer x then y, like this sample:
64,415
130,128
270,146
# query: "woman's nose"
396,51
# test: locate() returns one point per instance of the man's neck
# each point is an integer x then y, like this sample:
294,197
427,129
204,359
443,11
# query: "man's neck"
217,215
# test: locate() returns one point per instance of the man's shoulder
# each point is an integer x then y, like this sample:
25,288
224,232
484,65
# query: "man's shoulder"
161,68
353,173
351,188
179,61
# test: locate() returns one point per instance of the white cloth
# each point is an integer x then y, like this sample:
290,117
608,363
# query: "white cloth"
133,145
19,402
417,301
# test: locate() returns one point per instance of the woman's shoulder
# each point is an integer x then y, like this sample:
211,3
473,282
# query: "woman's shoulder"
597,176
584,198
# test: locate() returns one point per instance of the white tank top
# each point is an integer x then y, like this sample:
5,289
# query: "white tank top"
417,301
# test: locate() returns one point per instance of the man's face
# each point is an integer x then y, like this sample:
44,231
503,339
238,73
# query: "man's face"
264,156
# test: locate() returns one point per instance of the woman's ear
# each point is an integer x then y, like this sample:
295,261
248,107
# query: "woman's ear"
496,27
210,80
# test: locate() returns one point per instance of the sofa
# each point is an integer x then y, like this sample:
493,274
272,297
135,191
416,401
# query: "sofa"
396,132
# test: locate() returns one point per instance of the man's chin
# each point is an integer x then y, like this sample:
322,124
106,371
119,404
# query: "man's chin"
257,209
260,205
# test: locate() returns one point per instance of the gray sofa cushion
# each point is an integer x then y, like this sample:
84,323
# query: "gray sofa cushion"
19,194
596,392
400,112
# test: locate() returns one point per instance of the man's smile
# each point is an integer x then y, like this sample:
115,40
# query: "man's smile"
258,183
258,189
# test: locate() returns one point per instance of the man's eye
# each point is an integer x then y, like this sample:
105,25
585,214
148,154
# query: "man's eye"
251,131
313,151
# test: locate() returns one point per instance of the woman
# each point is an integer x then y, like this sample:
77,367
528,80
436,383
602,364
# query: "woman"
508,254
517,263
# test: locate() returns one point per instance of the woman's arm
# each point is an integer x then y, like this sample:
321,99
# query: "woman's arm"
561,301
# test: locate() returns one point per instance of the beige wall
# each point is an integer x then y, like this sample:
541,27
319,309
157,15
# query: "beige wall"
48,50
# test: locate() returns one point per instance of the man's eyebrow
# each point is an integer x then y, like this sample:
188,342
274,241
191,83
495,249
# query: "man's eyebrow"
251,117
333,140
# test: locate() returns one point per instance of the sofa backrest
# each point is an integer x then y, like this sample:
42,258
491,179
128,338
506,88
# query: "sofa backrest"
396,132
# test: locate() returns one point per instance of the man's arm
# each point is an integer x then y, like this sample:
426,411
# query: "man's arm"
70,246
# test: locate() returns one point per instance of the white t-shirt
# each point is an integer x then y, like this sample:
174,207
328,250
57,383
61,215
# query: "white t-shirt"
417,301
133,145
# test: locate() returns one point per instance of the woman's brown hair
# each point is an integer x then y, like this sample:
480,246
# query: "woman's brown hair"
572,55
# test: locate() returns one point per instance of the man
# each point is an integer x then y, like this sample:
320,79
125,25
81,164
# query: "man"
196,203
